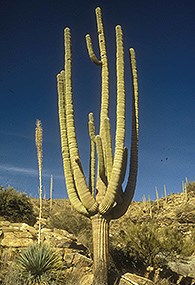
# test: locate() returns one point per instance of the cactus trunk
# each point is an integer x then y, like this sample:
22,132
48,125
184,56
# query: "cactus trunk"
100,229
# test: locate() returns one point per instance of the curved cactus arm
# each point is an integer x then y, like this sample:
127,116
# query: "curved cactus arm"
86,199
113,185
130,188
119,210
83,191
108,147
91,52
119,195
70,185
91,128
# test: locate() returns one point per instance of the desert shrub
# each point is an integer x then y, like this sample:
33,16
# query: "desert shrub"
7,257
16,206
186,213
190,187
68,219
172,241
39,264
141,245
163,282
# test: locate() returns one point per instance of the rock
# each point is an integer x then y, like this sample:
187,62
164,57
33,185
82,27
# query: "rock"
17,239
73,258
86,280
57,238
16,234
184,267
133,279
126,279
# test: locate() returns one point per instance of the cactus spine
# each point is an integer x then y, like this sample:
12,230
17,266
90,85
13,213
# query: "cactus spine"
103,199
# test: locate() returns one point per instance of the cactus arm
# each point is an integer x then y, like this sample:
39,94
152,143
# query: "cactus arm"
120,210
108,147
113,185
124,165
91,128
119,195
100,154
105,82
105,73
104,63
70,185
91,52
130,188
84,194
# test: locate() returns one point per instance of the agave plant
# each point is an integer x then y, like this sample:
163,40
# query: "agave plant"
38,264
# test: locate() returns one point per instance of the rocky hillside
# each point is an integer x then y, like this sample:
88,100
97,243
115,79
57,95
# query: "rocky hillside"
153,243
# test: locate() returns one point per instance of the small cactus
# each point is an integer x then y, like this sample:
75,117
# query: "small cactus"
157,198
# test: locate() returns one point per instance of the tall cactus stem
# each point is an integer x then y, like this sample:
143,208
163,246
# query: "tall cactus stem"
120,209
130,188
91,128
104,64
105,73
109,198
80,182
68,173
108,147
101,164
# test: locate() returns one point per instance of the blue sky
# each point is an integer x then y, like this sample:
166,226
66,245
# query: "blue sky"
31,55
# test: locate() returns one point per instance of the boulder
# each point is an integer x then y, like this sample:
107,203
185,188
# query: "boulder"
133,279
126,279
16,235
184,267
86,279
57,238
74,258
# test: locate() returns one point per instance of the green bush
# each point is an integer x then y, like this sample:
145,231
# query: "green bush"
191,187
68,219
147,244
137,246
16,206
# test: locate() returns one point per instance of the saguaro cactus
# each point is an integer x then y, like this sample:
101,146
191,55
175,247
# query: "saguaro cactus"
103,198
